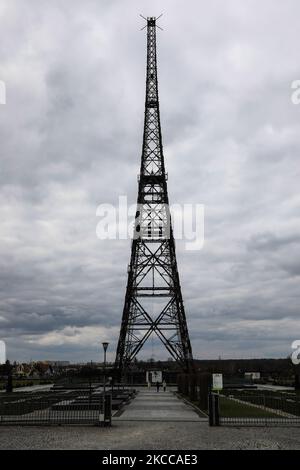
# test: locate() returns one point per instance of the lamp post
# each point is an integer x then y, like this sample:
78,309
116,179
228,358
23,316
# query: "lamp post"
105,346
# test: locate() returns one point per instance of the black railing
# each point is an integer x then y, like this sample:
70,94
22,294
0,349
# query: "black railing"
57,407
195,387
254,409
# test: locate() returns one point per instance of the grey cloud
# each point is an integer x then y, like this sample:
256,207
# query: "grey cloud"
71,136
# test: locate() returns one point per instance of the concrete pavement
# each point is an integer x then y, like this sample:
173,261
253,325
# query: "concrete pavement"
150,405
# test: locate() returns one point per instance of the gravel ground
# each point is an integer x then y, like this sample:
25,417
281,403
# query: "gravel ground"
149,436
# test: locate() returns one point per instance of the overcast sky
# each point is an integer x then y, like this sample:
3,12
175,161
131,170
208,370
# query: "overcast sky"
71,136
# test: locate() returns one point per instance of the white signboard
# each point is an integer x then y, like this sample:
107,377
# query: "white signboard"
217,382
252,375
154,376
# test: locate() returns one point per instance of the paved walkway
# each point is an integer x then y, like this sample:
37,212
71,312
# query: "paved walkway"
158,406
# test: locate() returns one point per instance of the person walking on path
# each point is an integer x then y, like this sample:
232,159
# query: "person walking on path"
157,386
164,385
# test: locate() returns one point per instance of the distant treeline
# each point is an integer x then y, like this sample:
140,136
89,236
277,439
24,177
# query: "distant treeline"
282,367
267,367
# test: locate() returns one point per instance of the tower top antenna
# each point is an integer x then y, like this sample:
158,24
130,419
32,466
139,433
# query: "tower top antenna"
151,21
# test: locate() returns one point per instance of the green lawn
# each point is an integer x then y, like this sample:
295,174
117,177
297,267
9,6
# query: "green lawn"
233,409
25,383
285,401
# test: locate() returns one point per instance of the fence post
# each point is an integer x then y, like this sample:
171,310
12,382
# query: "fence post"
217,409
107,409
210,409
213,408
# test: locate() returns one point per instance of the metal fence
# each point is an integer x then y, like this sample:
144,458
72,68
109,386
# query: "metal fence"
57,407
254,409
195,386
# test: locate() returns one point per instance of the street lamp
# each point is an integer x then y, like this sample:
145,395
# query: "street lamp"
105,346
